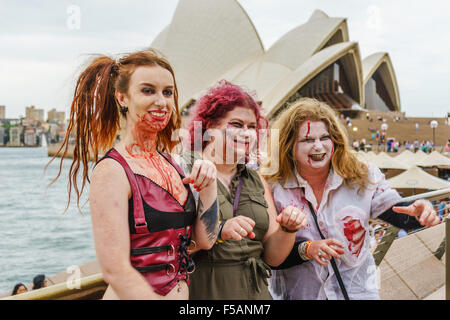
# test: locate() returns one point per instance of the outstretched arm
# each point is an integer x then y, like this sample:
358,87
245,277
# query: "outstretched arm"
422,210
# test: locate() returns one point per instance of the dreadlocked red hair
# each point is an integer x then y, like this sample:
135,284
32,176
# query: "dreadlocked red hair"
94,113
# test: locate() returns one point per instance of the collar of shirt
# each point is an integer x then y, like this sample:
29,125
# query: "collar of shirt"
295,180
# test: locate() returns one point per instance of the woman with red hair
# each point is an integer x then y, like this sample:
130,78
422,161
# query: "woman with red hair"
143,210
225,129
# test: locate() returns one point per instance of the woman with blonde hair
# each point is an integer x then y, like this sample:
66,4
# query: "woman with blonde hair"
320,175
143,210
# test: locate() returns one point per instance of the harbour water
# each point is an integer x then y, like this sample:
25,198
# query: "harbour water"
36,235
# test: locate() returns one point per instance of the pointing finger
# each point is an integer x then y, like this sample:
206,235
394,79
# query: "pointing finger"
409,210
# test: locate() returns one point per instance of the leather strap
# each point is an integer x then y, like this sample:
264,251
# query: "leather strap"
148,250
170,268
237,196
139,217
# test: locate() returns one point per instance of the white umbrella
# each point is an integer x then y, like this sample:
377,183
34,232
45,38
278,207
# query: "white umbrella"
410,158
365,156
384,161
434,159
416,178
404,155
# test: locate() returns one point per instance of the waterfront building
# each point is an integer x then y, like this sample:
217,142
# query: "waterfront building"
56,116
2,136
2,112
53,131
29,122
14,136
31,113
29,137
12,122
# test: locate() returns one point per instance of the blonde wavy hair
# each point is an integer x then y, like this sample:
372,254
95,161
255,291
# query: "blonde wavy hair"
344,162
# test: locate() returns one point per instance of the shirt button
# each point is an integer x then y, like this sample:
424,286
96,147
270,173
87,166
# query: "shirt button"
321,223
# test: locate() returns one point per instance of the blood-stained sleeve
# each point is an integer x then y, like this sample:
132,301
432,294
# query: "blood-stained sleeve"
383,196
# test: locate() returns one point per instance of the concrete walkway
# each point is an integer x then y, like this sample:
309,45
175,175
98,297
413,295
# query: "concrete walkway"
439,294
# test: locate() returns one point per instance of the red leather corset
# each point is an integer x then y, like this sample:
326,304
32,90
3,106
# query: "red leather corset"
160,229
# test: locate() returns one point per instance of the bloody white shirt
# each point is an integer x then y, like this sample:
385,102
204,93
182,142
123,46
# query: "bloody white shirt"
343,214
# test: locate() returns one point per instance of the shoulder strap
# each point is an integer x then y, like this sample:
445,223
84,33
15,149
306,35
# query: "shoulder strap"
139,217
333,262
237,196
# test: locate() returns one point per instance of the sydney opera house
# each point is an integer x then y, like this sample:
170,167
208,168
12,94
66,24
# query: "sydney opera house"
316,59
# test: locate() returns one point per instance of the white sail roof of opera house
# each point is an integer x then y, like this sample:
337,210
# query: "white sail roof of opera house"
200,48
381,62
348,51
299,44
207,41
285,62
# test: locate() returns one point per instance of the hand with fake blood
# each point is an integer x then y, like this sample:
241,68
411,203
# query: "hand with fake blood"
422,210
203,174
292,218
328,248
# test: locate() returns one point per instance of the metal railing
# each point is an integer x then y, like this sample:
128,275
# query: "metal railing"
447,258
90,285
391,234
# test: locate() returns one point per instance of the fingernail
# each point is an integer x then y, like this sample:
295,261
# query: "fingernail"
195,186
192,180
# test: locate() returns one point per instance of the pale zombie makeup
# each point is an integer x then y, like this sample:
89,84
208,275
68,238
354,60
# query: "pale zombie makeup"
239,131
314,147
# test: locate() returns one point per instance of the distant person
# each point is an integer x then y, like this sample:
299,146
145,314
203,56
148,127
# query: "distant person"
39,281
416,145
407,145
389,146
362,145
417,127
19,288
402,233
396,146
356,145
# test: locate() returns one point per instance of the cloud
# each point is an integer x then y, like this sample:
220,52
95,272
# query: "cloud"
48,40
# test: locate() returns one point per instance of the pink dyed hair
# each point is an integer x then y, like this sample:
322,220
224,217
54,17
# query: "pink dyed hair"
217,102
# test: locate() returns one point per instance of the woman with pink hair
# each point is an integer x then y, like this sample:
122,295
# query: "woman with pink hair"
224,129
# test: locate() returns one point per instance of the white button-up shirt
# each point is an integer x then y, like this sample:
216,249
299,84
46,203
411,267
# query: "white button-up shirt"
343,214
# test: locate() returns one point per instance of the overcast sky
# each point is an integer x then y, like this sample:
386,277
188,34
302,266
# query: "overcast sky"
43,43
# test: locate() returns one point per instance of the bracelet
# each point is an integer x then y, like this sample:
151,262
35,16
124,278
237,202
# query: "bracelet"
303,250
219,234
308,244
287,230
